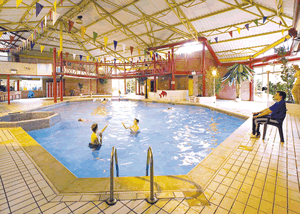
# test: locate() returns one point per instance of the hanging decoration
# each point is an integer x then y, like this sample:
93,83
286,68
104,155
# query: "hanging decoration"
282,32
42,48
151,53
67,54
115,44
87,58
95,34
42,25
74,56
70,25
209,42
61,2
247,26
239,30
264,19
80,57
131,50
51,50
50,13
216,38
11,38
105,41
38,9
54,4
1,33
256,22
83,29
280,23
32,45
139,51
230,33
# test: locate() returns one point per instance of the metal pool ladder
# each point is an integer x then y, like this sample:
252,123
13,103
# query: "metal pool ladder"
151,199
112,200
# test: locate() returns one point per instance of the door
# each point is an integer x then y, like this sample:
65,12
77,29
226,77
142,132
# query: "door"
191,87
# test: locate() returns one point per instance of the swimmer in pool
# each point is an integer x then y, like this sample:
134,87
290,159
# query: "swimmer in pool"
83,120
104,101
135,127
94,139
167,109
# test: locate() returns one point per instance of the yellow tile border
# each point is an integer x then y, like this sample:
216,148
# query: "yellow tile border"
65,182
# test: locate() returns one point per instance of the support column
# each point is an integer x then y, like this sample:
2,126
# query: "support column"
251,97
18,85
139,88
48,86
173,71
154,83
8,90
203,70
54,76
146,94
124,86
61,77
97,80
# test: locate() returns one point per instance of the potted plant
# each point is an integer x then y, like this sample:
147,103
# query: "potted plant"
80,85
237,74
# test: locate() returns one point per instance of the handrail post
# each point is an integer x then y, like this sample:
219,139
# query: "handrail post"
112,200
151,199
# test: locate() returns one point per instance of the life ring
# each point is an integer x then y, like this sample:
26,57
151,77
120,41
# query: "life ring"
30,94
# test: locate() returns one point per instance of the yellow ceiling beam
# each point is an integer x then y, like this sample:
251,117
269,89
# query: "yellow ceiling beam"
235,59
271,46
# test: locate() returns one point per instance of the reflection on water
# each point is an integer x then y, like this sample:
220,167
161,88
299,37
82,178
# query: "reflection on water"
180,138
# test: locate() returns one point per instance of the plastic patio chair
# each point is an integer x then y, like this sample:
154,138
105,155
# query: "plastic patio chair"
278,125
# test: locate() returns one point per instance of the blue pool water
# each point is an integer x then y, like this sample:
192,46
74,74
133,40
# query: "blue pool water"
180,138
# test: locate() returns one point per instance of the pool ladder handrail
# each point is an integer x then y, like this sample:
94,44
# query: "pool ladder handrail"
151,199
112,200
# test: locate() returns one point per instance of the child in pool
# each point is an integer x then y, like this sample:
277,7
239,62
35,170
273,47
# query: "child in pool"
135,127
83,120
94,138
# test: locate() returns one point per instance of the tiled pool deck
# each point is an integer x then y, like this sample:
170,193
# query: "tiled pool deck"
234,179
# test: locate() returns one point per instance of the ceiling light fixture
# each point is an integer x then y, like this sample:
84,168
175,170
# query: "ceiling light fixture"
79,20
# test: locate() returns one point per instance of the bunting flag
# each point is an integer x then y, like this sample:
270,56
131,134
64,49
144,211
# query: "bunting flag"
115,60
280,23
80,57
151,53
61,2
19,2
46,21
282,32
93,59
209,42
105,41
42,25
256,22
131,50
42,48
38,9
67,54
11,38
124,48
50,13
285,41
216,39
95,36
1,33
32,45
87,58
139,51
70,25
54,4
115,44
83,29
247,26
156,56
58,53
239,30
51,50
230,33
140,58
99,59
145,52
74,56
264,19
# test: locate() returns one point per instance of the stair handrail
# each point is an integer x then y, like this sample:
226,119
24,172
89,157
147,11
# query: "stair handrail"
111,200
151,199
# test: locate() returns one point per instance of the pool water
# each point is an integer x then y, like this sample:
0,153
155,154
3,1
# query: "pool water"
180,137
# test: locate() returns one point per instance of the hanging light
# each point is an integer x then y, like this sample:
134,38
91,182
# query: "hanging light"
79,20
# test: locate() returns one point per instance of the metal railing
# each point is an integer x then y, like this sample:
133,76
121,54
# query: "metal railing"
151,199
112,200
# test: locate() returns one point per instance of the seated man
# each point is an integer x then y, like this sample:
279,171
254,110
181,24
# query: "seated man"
276,111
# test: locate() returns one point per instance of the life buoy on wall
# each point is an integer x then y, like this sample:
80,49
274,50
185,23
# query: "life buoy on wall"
30,94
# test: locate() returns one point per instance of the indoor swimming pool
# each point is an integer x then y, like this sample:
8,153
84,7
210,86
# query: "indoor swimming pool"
180,136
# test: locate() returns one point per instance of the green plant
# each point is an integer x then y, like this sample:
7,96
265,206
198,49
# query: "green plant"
103,81
258,85
237,74
80,85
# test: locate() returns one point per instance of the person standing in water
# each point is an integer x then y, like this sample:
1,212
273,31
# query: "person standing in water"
135,127
94,138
